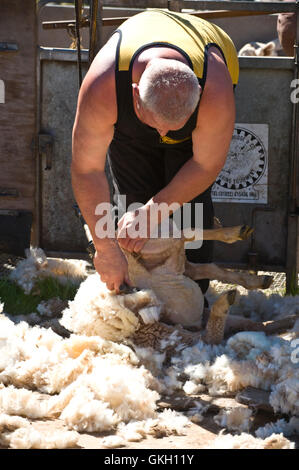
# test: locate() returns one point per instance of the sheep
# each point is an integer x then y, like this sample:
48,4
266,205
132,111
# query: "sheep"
271,48
167,292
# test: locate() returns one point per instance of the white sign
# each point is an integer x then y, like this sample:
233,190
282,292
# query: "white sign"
2,92
244,177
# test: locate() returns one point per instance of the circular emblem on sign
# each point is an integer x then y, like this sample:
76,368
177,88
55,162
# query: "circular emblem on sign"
245,163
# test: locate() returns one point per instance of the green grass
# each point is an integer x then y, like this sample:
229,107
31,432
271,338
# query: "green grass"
294,287
16,302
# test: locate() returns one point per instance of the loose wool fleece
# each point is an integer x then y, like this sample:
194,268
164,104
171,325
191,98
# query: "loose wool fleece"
93,384
235,419
280,426
246,441
261,306
110,316
18,433
38,266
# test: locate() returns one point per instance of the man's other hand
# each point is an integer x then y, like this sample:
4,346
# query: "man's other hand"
133,230
112,266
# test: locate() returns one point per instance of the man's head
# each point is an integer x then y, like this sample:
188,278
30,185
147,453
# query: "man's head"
167,94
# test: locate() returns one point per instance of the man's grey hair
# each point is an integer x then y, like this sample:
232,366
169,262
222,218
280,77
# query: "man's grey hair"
169,89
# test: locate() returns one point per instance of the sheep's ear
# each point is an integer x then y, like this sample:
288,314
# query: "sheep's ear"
268,49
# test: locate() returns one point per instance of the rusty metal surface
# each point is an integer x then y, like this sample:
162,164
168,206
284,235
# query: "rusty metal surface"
18,112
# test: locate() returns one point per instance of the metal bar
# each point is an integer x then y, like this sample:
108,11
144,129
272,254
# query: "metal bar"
274,7
292,267
136,3
35,238
92,30
116,21
62,55
228,13
284,63
62,24
78,8
200,5
99,25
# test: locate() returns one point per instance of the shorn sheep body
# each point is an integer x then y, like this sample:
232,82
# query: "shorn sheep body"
119,360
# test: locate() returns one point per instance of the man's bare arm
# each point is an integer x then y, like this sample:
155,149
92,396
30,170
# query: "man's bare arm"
92,133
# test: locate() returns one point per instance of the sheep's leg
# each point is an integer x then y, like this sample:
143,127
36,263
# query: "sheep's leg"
211,271
215,328
236,323
280,326
222,234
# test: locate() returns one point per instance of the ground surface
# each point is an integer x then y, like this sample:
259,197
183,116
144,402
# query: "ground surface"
198,435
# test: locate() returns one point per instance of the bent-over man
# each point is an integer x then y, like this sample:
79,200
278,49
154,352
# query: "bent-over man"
158,101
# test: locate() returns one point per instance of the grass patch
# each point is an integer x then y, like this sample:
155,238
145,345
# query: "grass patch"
16,302
294,287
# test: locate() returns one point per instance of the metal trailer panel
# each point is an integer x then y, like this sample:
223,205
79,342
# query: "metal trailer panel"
263,97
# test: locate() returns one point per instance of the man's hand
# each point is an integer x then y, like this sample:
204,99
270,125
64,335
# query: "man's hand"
112,266
133,230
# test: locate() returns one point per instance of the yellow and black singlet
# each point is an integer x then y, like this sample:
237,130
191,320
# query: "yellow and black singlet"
189,35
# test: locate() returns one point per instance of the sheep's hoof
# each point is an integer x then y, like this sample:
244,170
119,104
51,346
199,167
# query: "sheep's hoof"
267,282
231,296
245,232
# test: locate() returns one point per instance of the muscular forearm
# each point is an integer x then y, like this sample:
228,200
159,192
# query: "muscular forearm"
90,190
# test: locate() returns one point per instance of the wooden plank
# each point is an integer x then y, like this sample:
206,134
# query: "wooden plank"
17,112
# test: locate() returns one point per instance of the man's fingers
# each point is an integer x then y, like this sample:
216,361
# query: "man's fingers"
139,245
128,281
109,285
130,245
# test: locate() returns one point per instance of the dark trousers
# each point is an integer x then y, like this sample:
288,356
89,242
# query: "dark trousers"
140,171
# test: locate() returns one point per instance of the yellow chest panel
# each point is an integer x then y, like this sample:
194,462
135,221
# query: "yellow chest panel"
190,34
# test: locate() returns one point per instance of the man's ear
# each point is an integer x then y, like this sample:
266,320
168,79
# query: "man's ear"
136,95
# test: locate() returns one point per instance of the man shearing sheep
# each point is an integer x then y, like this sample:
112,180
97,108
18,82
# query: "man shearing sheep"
158,102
